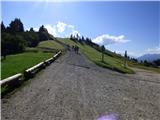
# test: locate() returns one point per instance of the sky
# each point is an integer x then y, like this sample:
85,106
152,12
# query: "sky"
132,26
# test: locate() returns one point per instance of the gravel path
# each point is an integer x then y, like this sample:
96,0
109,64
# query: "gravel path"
73,88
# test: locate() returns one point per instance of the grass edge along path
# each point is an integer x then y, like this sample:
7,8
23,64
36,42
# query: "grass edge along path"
18,63
119,67
95,56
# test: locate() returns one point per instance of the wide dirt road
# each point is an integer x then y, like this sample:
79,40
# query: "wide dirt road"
73,88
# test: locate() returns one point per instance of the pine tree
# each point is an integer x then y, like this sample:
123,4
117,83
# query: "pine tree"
125,59
71,37
16,26
103,50
43,33
3,28
31,29
82,38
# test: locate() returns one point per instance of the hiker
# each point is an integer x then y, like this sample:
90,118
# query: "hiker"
72,47
77,49
68,47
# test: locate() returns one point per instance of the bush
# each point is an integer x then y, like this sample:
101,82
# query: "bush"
15,39
11,44
31,38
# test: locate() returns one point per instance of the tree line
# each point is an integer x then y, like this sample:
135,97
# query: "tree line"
154,63
87,40
14,39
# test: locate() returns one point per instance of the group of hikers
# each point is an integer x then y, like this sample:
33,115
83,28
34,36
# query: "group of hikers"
74,48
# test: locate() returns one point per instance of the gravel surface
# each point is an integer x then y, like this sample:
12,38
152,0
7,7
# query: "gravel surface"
73,88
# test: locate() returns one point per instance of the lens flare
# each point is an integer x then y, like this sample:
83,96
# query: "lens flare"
108,117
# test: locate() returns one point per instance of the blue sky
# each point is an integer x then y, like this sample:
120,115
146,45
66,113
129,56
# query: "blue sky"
120,26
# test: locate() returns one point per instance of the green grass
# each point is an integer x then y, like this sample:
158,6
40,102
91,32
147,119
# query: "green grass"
112,61
32,49
50,44
18,63
67,41
92,54
140,66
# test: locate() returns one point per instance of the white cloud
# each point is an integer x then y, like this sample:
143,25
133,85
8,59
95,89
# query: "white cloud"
51,29
155,50
61,27
109,39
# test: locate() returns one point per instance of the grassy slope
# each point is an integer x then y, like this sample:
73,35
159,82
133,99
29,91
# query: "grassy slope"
50,44
95,56
115,62
132,64
19,62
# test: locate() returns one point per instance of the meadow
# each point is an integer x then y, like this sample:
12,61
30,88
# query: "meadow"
17,63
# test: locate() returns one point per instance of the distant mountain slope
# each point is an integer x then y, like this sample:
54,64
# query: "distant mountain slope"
149,57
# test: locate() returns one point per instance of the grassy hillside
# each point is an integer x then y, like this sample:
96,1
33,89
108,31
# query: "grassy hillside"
112,60
19,62
113,63
133,64
50,44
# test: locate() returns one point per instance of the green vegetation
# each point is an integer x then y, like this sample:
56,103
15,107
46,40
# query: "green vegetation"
141,66
15,39
111,60
33,49
18,63
67,41
12,44
91,53
50,44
